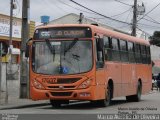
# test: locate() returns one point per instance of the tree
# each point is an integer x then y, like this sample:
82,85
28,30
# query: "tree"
155,39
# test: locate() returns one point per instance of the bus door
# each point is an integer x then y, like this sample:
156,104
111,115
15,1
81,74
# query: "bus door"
100,69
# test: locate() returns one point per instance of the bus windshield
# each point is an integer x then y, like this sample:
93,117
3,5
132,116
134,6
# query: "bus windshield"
69,57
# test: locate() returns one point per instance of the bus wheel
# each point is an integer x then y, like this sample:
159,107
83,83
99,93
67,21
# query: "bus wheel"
137,97
106,102
55,103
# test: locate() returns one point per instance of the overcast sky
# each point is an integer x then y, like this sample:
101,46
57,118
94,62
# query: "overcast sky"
111,8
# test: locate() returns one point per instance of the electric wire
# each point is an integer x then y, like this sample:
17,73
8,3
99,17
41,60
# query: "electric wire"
74,7
128,15
100,13
153,19
122,12
150,26
122,3
148,12
48,4
150,21
144,31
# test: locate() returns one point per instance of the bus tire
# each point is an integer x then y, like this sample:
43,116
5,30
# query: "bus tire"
55,103
108,96
137,97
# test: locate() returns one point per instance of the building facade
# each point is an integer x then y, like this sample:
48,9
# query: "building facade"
16,40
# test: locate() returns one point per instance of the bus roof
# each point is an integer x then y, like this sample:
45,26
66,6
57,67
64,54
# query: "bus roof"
101,30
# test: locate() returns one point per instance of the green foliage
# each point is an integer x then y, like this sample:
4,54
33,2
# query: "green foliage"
155,39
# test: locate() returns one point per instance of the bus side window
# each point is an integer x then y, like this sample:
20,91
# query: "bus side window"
107,48
138,53
100,52
124,51
148,55
115,50
143,54
131,52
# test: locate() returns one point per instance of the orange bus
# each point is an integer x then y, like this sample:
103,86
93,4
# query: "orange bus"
87,62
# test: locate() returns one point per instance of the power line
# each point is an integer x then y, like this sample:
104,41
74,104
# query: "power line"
153,19
122,3
148,12
100,13
60,7
74,7
121,13
122,26
128,16
51,6
144,31
151,26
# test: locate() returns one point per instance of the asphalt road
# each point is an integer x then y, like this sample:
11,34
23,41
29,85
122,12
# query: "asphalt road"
150,104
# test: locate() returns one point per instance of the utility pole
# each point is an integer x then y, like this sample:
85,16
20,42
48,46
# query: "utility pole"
11,26
10,47
134,24
0,68
24,81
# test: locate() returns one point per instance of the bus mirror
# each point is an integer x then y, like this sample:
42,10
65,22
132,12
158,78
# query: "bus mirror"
100,44
27,48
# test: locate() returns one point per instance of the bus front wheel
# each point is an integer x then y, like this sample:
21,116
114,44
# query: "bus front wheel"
108,96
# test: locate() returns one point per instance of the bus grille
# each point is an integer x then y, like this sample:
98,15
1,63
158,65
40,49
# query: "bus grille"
67,80
65,87
61,93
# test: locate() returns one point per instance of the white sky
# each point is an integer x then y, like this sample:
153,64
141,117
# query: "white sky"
58,8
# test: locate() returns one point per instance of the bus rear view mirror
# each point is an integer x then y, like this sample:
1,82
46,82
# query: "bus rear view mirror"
27,48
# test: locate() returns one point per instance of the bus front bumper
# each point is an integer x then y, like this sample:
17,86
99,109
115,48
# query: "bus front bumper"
76,94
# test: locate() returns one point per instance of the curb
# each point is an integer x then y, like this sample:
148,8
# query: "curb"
23,106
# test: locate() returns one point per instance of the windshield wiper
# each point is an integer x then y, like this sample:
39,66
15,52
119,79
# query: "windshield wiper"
76,57
71,45
51,48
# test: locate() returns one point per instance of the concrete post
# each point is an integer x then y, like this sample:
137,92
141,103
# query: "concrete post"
24,76
0,68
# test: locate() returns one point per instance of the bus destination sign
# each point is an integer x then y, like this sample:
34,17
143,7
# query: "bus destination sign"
62,33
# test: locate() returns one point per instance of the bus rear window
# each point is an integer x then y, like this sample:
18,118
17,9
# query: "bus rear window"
63,32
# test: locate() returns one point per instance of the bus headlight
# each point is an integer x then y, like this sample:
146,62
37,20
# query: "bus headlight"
37,84
85,84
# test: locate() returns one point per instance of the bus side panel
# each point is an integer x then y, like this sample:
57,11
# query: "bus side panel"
114,73
144,73
147,78
100,84
128,75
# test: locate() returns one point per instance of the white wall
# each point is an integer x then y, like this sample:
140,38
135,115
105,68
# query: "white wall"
155,52
3,77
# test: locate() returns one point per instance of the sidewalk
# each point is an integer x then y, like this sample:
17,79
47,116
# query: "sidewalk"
13,98
15,103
